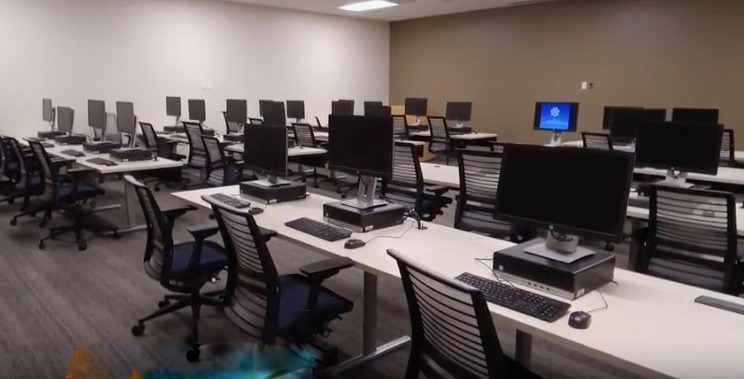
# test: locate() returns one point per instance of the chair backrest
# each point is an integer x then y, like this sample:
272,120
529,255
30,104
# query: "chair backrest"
150,137
27,165
439,133
406,186
159,247
400,126
216,162
597,141
252,289
231,126
479,180
197,151
692,237
304,135
317,122
9,159
727,148
451,327
49,175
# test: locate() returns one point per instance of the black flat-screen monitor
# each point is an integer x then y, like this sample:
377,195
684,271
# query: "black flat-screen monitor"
695,115
679,146
262,105
97,114
65,119
655,114
417,106
237,111
361,144
274,114
567,190
342,107
459,110
173,106
371,106
607,114
296,109
378,110
556,116
197,110
265,149
125,120
626,122
47,110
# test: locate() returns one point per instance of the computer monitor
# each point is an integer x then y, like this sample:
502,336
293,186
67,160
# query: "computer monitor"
197,110
296,109
607,114
237,111
262,105
362,145
47,111
626,122
126,122
679,148
655,114
173,106
342,107
97,114
556,117
370,106
274,114
378,110
695,115
65,119
571,192
417,106
265,151
459,111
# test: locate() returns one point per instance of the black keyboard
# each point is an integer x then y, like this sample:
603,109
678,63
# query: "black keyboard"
516,299
231,201
102,162
319,229
73,153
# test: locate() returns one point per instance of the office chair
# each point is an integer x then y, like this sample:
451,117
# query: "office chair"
400,126
596,141
182,268
269,306
255,121
197,151
439,141
167,149
479,180
68,193
230,126
318,124
452,332
10,168
30,182
691,238
728,151
406,186
305,137
222,169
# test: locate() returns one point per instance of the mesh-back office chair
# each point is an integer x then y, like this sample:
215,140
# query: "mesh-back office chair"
167,149
597,141
222,168
10,165
183,268
439,141
230,126
305,137
67,193
29,178
197,151
452,333
728,150
691,238
268,305
479,180
406,186
400,126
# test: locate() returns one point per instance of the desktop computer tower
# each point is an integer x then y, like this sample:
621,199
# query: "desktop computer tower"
278,194
131,154
70,140
238,138
50,134
364,220
100,146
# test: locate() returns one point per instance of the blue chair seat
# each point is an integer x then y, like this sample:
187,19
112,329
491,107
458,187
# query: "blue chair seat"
212,260
294,290
67,192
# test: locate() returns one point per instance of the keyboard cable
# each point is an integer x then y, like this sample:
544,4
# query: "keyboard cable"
493,272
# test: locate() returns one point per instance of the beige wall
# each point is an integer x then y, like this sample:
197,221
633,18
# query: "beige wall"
654,53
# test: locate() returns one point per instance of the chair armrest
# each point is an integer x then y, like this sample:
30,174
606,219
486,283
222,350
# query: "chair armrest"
80,170
438,190
322,270
203,231
267,234
173,213
59,162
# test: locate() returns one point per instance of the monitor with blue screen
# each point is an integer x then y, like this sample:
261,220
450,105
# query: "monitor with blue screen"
556,116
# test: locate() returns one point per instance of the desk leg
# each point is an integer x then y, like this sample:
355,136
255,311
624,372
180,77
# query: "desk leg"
129,203
633,251
370,349
523,350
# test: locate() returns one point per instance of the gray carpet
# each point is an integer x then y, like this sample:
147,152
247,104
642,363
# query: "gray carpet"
60,298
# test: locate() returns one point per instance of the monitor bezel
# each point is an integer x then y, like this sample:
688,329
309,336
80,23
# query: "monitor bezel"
263,170
91,109
573,118
173,106
295,109
412,105
453,110
333,120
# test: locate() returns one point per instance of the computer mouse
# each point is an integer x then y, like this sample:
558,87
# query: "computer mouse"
354,243
579,320
255,211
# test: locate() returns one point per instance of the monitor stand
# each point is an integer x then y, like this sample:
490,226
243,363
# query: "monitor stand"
366,199
417,122
675,179
560,247
271,181
556,139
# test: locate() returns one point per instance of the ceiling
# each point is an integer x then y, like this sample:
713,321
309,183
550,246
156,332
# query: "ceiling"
407,9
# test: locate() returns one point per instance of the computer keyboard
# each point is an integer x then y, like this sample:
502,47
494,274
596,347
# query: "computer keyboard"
73,153
319,229
102,162
231,201
531,304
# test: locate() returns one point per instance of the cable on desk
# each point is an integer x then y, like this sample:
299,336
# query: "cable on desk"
394,237
494,272
603,300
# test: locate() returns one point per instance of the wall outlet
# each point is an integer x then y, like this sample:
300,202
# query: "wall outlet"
587,85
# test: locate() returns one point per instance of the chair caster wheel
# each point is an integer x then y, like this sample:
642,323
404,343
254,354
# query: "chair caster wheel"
116,235
193,354
13,222
82,246
192,339
609,247
138,329
163,303
157,189
42,245
43,224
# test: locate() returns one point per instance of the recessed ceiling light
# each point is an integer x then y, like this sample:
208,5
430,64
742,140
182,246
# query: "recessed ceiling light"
368,5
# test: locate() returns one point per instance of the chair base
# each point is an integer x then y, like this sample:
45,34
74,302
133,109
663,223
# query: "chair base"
194,300
79,223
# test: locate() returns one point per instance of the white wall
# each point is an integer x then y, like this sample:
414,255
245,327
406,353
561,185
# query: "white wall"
145,50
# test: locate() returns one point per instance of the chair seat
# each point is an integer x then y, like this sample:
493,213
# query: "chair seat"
294,290
212,257
67,192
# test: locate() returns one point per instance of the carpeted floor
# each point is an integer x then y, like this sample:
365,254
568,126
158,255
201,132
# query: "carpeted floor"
58,299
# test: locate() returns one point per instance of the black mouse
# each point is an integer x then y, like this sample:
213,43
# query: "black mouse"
354,243
255,211
579,320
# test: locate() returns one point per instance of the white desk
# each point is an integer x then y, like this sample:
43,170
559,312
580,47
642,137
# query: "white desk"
323,136
460,137
738,155
726,175
441,175
291,152
652,326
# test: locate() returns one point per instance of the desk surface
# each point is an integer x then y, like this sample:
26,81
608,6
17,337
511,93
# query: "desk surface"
323,136
292,152
738,155
652,326
468,136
